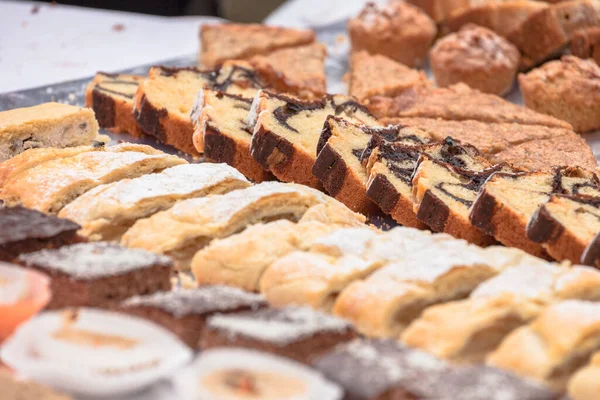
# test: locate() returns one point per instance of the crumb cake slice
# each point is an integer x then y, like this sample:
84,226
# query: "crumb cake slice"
377,75
565,225
287,131
221,130
297,70
184,311
191,224
508,201
99,274
26,231
301,334
108,211
222,42
339,166
45,125
111,98
52,185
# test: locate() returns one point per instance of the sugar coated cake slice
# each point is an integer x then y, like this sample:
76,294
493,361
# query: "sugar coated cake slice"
107,211
287,131
45,125
111,98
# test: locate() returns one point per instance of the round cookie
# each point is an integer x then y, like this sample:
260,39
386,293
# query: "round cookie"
568,89
476,56
399,31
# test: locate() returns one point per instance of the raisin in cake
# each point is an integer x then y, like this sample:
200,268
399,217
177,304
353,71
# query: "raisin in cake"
222,42
586,44
287,130
184,311
297,333
340,149
221,130
45,125
565,225
111,98
508,201
99,274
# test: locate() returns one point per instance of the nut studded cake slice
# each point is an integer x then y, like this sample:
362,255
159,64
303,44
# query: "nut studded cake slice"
565,225
221,131
340,149
508,201
111,98
287,131
221,42
52,185
107,211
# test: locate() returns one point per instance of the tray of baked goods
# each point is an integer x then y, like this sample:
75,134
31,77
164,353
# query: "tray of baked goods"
219,243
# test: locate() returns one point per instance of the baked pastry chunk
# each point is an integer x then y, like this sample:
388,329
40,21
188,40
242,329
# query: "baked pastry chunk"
378,75
184,312
108,211
586,44
439,10
568,89
584,384
99,274
548,31
554,346
111,98
296,70
476,56
221,42
15,389
301,334
508,201
341,146
52,185
191,224
565,225
287,131
459,103
222,132
468,330
45,125
25,231
398,30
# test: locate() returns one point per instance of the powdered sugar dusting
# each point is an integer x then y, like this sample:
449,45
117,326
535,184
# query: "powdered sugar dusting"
531,281
346,241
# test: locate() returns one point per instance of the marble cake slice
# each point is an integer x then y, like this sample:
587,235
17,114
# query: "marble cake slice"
508,201
340,150
565,225
221,130
111,98
444,191
287,131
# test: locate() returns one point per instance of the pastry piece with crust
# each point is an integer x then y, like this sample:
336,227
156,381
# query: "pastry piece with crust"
108,211
585,384
566,225
221,131
508,201
378,75
297,70
468,330
191,224
45,125
222,42
111,98
554,346
568,89
340,149
52,185
440,10
397,30
287,131
586,44
477,57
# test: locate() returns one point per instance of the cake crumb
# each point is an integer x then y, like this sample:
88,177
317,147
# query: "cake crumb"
118,27
35,9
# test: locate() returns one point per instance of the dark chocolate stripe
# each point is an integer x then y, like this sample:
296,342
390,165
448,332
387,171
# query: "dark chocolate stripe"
542,227
104,108
244,73
218,147
330,168
433,211
326,132
148,118
482,212
591,254
100,88
383,193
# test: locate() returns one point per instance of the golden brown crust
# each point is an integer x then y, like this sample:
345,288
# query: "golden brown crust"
586,44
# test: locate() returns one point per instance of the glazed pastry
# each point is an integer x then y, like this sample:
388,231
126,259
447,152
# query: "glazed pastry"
108,211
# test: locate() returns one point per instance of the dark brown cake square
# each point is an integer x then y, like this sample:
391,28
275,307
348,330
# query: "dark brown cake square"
184,312
24,230
294,332
99,274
